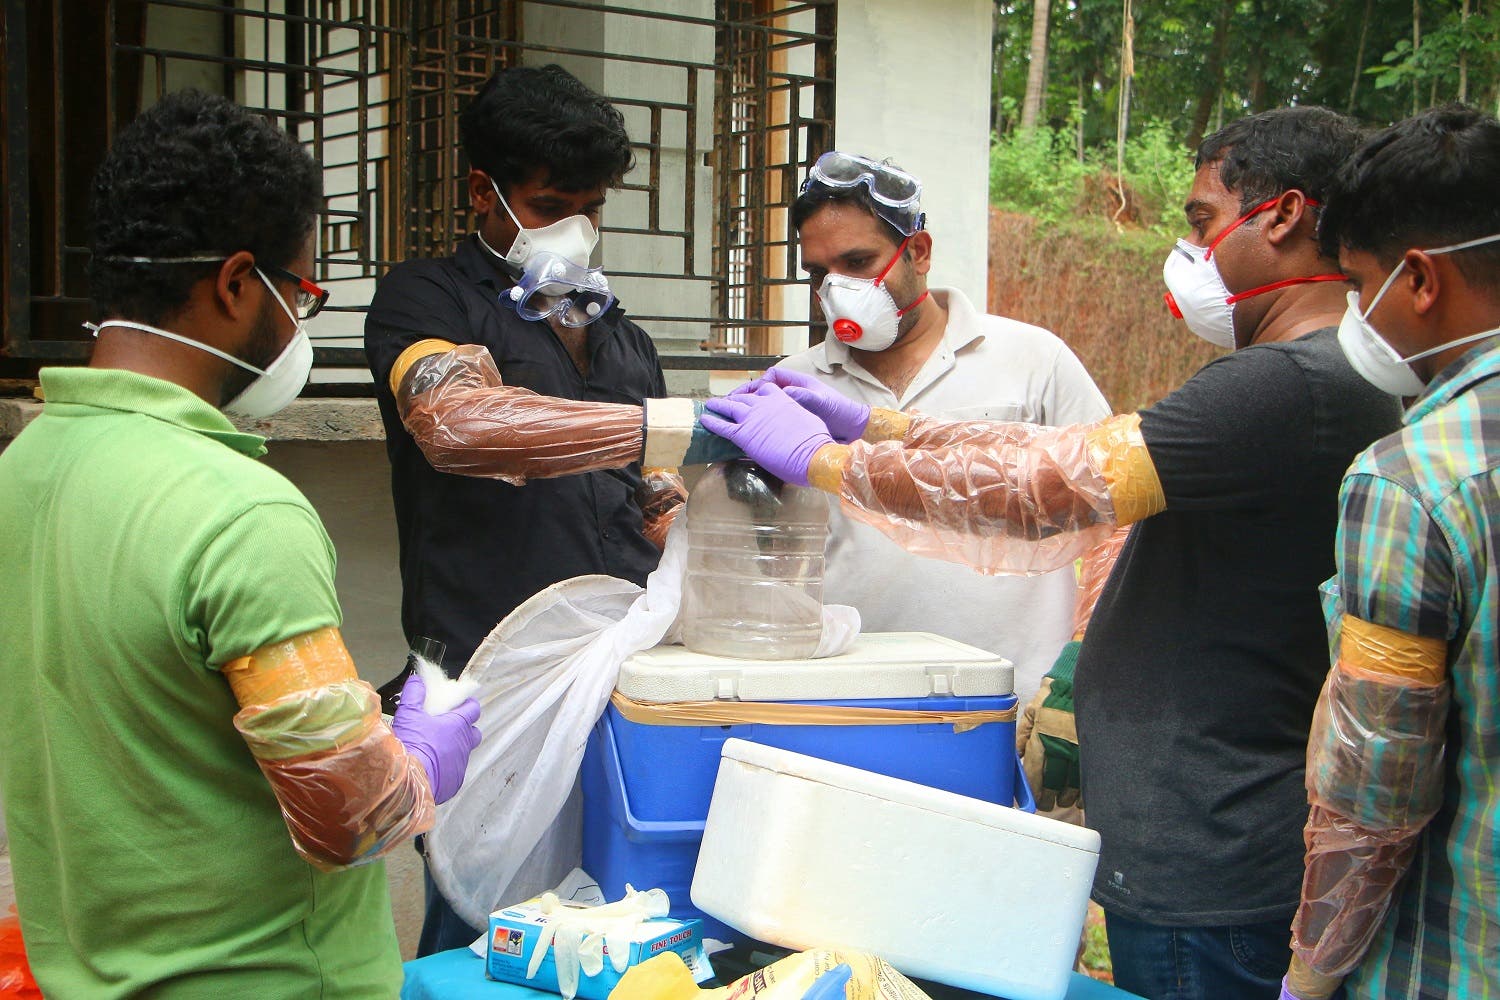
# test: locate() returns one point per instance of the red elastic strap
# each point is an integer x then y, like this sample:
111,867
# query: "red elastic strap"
913,304
1283,283
892,263
1269,203
1172,305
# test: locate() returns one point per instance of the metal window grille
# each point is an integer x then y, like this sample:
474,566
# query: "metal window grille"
727,101
775,108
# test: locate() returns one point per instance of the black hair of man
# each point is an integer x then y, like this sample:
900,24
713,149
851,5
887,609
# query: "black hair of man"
1260,156
1430,181
194,175
812,200
527,118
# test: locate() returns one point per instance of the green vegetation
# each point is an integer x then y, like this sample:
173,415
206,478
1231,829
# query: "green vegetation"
1191,65
1096,946
1039,172
1082,221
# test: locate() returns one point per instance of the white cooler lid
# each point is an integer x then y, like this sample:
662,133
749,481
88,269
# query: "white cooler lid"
908,793
878,665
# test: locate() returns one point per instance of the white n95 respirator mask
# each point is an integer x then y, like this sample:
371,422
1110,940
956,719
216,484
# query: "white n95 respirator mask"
274,386
1373,357
861,311
1196,293
572,239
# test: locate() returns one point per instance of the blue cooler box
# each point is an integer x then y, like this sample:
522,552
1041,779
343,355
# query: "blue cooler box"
646,788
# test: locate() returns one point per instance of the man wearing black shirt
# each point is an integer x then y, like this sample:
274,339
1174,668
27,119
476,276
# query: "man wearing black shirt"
1203,659
1201,664
516,438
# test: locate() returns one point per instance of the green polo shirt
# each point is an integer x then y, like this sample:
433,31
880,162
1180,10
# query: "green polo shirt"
144,547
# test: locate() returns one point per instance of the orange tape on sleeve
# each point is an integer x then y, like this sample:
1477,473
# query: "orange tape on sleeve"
416,352
1391,654
826,470
1118,452
887,425
302,663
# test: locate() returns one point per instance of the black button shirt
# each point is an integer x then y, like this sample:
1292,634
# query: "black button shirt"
474,549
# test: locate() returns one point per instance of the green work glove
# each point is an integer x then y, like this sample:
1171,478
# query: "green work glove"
1050,753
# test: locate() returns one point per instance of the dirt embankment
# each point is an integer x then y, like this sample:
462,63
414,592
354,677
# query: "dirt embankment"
1101,292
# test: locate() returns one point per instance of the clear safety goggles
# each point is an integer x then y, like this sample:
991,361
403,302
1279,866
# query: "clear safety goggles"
555,286
896,194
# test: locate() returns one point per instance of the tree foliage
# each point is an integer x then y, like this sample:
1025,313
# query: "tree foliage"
1200,63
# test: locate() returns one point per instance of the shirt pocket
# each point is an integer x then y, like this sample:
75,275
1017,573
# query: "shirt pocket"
1002,412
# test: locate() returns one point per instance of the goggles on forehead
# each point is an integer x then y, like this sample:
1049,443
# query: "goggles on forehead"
896,195
555,286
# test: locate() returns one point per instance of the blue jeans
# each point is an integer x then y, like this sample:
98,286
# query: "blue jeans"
1239,962
442,929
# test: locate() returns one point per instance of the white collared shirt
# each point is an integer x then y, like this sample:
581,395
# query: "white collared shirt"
991,368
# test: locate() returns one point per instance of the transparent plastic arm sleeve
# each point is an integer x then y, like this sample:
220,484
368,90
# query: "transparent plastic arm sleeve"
998,497
348,789
1098,563
661,498
1374,781
467,421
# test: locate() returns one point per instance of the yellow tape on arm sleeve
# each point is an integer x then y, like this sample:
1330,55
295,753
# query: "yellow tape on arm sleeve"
887,425
1118,452
416,352
302,663
826,470
1389,653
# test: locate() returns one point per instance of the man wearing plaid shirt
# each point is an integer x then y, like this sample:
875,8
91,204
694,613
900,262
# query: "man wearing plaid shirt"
1402,892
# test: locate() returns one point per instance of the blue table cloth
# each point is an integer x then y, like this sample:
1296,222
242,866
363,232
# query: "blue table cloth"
459,975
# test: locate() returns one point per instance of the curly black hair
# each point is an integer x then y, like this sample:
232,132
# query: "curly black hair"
195,174
528,118
1262,155
1426,182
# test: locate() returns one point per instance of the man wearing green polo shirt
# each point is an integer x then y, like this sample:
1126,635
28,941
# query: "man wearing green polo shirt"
195,781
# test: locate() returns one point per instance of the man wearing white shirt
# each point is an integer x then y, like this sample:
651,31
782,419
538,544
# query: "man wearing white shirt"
894,343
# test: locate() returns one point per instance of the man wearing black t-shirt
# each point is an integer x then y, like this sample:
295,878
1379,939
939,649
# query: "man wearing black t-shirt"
512,388
1201,666
1201,663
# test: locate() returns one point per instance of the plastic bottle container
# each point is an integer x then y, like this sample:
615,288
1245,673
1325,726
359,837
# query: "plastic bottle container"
754,585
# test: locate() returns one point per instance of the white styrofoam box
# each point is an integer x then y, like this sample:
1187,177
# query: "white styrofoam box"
806,853
878,665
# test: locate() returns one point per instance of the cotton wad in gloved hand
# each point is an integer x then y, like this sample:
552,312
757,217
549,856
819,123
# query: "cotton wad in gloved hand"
441,742
1050,736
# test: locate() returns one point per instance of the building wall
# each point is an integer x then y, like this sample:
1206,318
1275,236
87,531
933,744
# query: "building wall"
913,85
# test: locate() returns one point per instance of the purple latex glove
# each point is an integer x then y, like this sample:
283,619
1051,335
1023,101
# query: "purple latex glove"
770,428
845,418
441,742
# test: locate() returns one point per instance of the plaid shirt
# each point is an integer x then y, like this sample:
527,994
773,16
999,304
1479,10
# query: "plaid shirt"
1419,550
